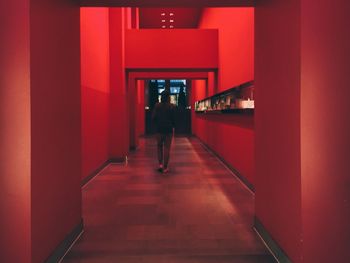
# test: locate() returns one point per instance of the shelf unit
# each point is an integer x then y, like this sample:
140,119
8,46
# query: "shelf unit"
239,99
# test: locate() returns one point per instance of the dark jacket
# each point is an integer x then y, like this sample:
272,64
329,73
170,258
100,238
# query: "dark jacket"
164,117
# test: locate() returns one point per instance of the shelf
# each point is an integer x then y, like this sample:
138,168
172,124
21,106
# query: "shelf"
227,111
238,99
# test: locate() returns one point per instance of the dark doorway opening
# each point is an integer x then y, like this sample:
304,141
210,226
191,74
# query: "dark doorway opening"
179,96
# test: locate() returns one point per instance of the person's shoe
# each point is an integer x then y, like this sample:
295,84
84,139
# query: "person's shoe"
160,168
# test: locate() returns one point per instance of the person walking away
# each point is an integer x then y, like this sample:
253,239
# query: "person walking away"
163,117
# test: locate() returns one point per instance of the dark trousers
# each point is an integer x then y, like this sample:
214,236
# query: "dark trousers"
163,147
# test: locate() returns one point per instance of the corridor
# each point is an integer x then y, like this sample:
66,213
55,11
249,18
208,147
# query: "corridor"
199,212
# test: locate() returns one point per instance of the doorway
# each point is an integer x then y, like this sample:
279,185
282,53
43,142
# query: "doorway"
179,90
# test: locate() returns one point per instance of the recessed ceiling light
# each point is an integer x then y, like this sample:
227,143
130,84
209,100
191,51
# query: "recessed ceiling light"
163,20
171,14
171,20
163,14
171,26
163,26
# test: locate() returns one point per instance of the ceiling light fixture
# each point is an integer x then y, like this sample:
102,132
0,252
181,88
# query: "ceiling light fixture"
171,26
163,20
162,14
163,26
171,20
171,14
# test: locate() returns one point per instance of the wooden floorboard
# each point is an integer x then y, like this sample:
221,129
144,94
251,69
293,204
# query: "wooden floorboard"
198,212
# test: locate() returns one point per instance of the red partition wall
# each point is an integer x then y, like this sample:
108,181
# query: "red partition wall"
277,123
136,91
212,83
95,87
140,127
168,74
325,129
55,124
170,3
230,136
236,43
119,125
198,91
159,48
132,105
15,222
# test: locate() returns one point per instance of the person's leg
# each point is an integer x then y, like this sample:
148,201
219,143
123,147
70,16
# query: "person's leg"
160,149
167,145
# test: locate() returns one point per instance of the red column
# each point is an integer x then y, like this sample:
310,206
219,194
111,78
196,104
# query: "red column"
55,124
277,123
15,183
95,88
140,107
325,129
132,104
119,125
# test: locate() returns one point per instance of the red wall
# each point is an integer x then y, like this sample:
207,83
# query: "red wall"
95,87
230,136
14,132
119,125
198,92
137,110
213,130
325,129
170,3
132,104
168,74
236,43
277,123
140,107
160,48
55,124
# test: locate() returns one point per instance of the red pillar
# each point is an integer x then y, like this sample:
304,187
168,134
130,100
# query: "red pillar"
277,123
325,129
140,107
132,104
55,124
302,127
15,185
119,125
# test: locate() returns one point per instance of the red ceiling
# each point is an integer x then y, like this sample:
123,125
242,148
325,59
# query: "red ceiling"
182,17
168,3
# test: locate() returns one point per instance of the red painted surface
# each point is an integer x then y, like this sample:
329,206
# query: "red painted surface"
182,17
325,129
212,85
55,124
214,131
136,93
135,19
277,123
160,48
15,222
154,74
230,136
168,3
132,104
236,43
238,150
140,107
198,92
119,127
95,88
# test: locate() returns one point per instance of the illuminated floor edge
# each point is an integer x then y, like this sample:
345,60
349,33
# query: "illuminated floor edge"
198,212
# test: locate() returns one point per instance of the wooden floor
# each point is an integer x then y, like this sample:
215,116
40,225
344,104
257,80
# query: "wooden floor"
199,212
